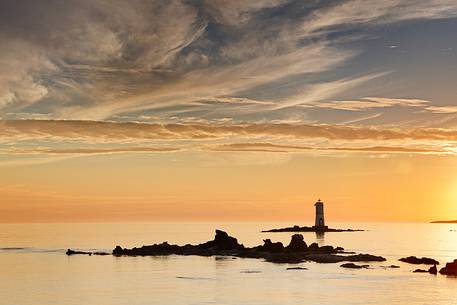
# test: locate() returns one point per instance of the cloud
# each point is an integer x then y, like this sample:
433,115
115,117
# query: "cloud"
106,131
442,109
269,147
367,103
97,59
92,151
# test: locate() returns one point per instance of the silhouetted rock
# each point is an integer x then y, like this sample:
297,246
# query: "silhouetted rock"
297,268
313,247
73,252
354,266
450,268
297,244
420,271
310,229
271,247
433,270
417,261
228,246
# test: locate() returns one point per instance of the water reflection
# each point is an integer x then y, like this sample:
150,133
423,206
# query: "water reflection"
320,238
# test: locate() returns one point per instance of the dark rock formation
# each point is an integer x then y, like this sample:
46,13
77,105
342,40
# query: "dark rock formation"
310,229
450,268
420,271
297,268
73,252
354,266
224,245
431,270
417,261
297,244
271,247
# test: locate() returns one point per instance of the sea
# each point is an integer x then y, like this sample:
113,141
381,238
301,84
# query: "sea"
34,269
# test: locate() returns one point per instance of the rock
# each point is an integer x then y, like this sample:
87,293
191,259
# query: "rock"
224,245
73,252
327,249
417,261
222,241
433,270
354,266
450,268
271,247
420,271
313,247
297,244
297,268
296,228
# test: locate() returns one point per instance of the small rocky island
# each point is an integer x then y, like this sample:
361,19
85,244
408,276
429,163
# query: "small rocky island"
319,225
224,245
310,229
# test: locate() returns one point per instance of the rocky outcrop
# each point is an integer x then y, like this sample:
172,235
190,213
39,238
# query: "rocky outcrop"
354,266
431,270
450,268
418,261
296,251
297,244
310,229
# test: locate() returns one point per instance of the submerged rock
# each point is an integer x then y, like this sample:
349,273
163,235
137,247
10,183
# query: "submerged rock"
297,268
354,266
73,252
420,271
417,261
450,268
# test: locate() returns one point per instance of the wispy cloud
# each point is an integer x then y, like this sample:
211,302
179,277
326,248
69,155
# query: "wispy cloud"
367,103
95,59
90,137
442,109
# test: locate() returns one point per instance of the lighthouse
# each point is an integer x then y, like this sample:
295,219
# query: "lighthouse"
320,222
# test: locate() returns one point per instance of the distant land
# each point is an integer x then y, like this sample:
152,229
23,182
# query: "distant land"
445,221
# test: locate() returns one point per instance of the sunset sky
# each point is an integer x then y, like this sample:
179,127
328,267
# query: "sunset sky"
227,110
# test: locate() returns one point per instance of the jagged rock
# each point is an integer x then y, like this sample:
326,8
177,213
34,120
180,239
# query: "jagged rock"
354,266
450,268
313,247
297,244
417,261
225,245
271,247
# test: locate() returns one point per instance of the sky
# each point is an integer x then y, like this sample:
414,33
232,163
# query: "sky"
227,110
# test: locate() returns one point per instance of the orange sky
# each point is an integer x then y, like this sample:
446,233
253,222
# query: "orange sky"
249,186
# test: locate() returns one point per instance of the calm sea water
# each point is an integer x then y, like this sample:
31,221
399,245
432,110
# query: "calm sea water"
34,269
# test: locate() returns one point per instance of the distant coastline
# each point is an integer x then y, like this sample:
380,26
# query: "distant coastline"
444,221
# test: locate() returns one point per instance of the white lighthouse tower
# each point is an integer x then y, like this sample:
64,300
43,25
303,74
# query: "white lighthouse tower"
320,222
